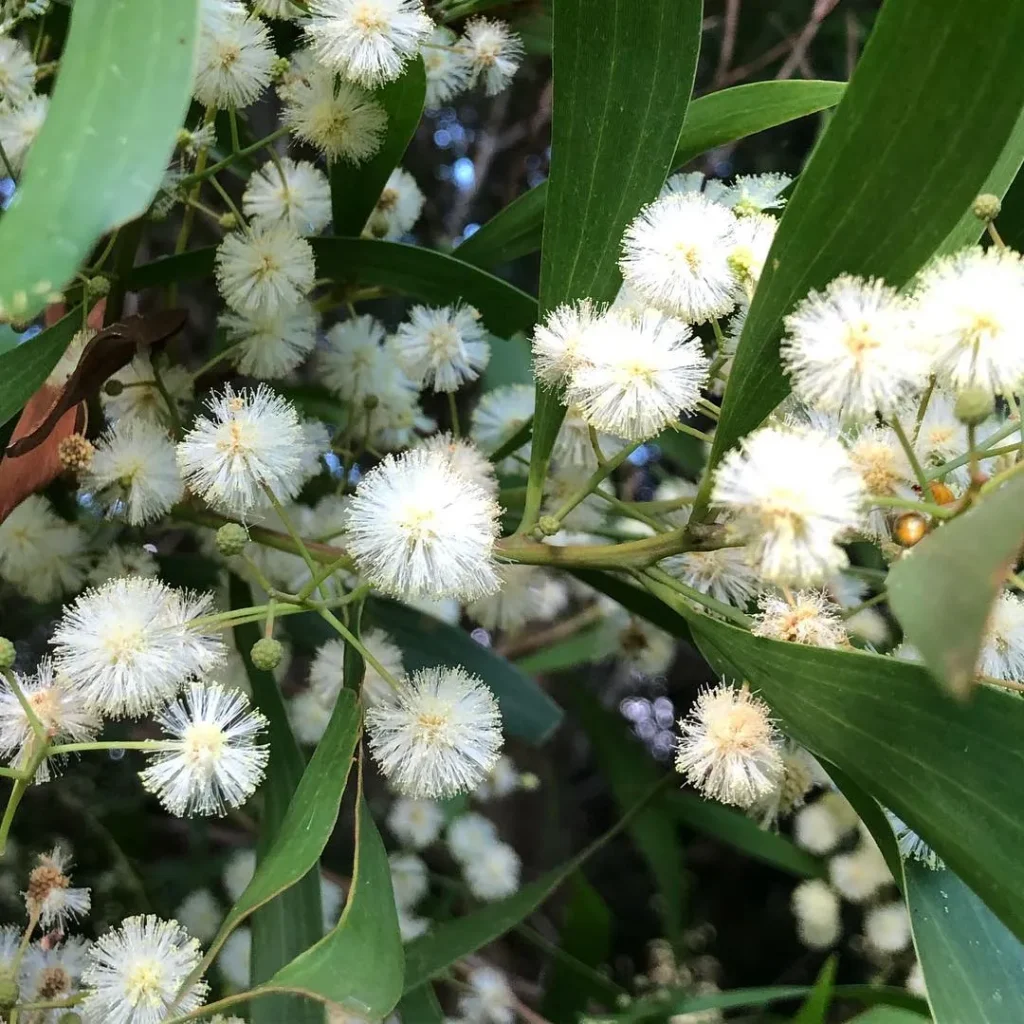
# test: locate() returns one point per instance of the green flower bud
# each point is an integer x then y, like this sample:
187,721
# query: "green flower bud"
228,221
279,68
99,286
267,654
6,653
974,405
113,387
370,402
231,539
986,207
548,526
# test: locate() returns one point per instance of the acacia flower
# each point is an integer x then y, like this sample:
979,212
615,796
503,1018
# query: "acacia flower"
416,528
796,494
134,472
465,458
40,554
1002,645
489,998
439,737
408,879
17,72
136,971
494,873
448,68
887,927
811,618
233,62
415,823
129,645
264,269
469,836
728,748
724,574
442,348
50,899
497,417
367,41
968,308
60,708
675,254
816,909
213,760
397,208
341,120
139,398
19,127
253,442
293,192
326,674
494,52
269,346
561,342
641,373
853,349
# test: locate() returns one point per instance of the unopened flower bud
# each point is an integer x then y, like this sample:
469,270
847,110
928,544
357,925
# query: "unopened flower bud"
98,286
279,68
228,221
529,781
548,526
183,138
267,654
75,454
231,539
974,405
370,402
986,207
113,387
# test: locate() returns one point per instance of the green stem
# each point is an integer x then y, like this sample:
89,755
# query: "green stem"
218,357
879,598
293,533
600,556
350,638
924,507
233,123
38,729
202,173
631,511
923,408
908,450
709,408
172,405
595,480
229,202
682,428
453,415
962,460
79,748
322,574
1001,478
691,594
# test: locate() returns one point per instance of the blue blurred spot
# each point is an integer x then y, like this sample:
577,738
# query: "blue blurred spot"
464,172
333,463
442,138
641,456
470,229
7,188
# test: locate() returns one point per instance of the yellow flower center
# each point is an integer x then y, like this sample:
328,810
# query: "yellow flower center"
124,642
690,256
369,18
738,729
143,984
203,744
418,522
860,340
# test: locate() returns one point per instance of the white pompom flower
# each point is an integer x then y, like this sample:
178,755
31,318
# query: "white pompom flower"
729,748
416,528
724,574
415,823
348,363
562,342
137,970
494,52
17,72
19,127
269,346
252,443
852,349
970,309
213,760
753,236
448,68
523,596
1002,645
233,63
50,898
750,193
409,879
498,416
442,348
398,207
465,458
816,909
41,555
469,836
264,269
134,473
494,874
367,41
61,709
439,737
129,645
140,398
795,494
804,617
887,927
641,373
341,120
327,672
675,255
293,192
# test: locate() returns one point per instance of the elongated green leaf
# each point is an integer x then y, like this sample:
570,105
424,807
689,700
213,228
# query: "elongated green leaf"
887,1015
24,368
949,771
309,820
636,600
816,1005
420,1006
359,964
623,73
429,956
973,966
528,712
942,592
291,923
585,936
355,190
742,833
587,646
513,232
712,120
121,94
660,1009
904,155
631,771
406,269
